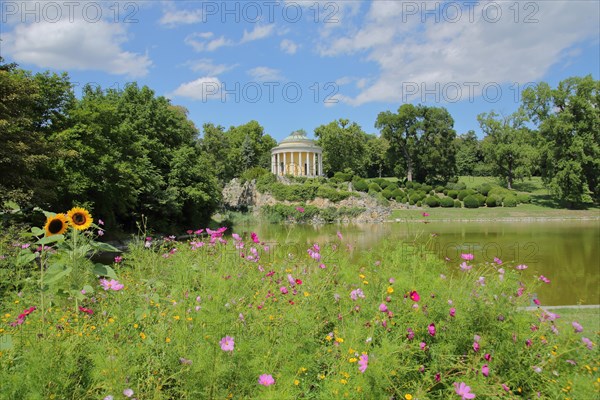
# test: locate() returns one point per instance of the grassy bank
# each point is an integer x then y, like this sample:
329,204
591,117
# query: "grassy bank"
221,316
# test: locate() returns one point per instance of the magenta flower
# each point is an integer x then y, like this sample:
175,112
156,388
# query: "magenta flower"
414,296
544,279
300,209
521,267
411,334
86,310
536,302
283,290
422,345
588,343
355,294
485,370
463,391
227,343
487,356
100,232
481,281
497,261
431,329
383,307
363,363
339,235
452,312
111,285
426,214
465,267
578,328
118,259
506,388
100,222
266,380
467,256
475,347
254,237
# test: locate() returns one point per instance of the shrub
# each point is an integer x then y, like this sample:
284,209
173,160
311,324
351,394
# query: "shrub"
523,198
264,182
361,185
332,194
500,192
387,193
484,188
480,199
509,201
419,204
374,187
426,188
398,192
409,185
490,201
457,204
471,201
343,176
447,202
401,199
453,193
432,201
392,186
439,189
464,193
254,173
456,186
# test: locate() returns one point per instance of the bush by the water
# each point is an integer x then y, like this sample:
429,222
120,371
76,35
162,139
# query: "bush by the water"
361,185
491,201
432,201
457,204
447,202
471,201
246,316
523,198
464,193
509,201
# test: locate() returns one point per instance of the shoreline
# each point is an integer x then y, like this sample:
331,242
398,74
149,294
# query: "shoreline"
497,219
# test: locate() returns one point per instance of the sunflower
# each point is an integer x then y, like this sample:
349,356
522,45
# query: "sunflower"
56,225
79,218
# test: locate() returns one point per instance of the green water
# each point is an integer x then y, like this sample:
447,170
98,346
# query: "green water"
566,252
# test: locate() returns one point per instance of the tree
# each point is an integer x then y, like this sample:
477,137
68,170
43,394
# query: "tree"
468,153
344,146
509,146
568,118
420,141
376,161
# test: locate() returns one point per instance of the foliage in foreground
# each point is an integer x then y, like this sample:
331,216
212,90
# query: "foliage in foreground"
234,317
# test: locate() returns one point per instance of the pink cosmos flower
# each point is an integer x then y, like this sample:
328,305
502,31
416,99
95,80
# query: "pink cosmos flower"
283,290
426,214
431,329
100,232
422,345
127,392
355,294
300,209
475,347
521,267
544,279
465,267
236,237
588,343
411,334
339,235
363,363
86,310
520,291
485,370
100,222
481,281
487,356
497,261
383,307
467,256
118,259
111,285
266,380
506,388
578,328
536,302
452,312
254,237
227,343
414,296
463,391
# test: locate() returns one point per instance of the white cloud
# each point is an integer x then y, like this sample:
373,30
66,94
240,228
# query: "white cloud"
207,67
265,74
173,18
288,46
204,89
204,44
76,45
476,52
259,32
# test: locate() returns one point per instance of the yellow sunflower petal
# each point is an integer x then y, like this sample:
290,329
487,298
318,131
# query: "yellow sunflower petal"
79,218
56,225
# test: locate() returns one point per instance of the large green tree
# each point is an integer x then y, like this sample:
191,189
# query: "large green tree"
421,141
469,154
509,146
569,124
344,147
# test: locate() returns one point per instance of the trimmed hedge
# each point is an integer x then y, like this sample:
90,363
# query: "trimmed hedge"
374,187
471,202
509,201
447,202
432,201
457,204
361,185
523,198
491,201
464,193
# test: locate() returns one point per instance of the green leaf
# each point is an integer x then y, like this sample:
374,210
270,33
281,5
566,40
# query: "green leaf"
6,342
88,289
55,274
24,258
50,239
37,231
12,205
104,270
77,294
101,246
139,312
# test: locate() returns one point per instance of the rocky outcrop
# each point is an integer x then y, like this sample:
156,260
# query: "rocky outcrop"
245,196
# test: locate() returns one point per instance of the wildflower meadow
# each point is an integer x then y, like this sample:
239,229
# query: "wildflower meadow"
227,315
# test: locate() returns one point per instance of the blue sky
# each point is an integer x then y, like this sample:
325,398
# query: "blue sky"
300,64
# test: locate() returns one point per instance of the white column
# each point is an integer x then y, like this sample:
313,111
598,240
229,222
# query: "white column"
273,163
321,164
308,164
284,163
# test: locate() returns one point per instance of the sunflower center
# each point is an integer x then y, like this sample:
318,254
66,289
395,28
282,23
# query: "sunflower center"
78,218
55,226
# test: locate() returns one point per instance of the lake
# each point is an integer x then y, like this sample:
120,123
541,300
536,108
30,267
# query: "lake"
566,252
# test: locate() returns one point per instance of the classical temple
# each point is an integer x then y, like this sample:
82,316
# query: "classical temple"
297,155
